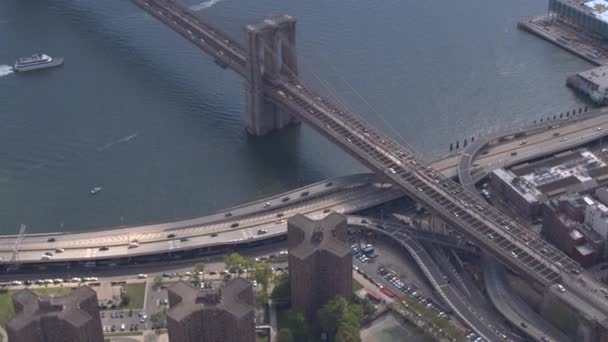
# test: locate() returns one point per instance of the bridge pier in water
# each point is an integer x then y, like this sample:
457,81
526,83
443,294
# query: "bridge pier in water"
271,54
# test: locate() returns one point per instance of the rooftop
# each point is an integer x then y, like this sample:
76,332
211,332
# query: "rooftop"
328,234
570,171
599,8
231,298
597,75
66,308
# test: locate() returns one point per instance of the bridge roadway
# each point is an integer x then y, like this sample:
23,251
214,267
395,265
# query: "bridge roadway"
345,194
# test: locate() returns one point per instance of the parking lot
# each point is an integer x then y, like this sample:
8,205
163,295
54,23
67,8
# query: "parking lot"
392,258
123,320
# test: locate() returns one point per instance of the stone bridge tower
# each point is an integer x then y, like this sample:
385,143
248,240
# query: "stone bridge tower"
271,55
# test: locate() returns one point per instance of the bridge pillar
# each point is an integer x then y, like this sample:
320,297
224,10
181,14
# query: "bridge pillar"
271,56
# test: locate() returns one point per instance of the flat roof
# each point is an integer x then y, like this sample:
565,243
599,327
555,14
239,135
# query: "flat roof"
598,76
599,8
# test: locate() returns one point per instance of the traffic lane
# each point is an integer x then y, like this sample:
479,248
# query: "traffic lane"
131,271
249,208
547,138
242,235
471,294
334,202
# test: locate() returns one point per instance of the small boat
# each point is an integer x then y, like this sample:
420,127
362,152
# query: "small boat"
37,61
95,190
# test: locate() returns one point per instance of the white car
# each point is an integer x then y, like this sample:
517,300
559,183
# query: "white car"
142,276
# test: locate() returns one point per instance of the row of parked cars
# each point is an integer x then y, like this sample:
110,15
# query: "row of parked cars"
51,281
123,327
412,291
363,253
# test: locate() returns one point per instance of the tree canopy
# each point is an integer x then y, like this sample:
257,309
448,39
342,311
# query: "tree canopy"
234,262
341,319
199,267
285,335
298,325
262,273
281,287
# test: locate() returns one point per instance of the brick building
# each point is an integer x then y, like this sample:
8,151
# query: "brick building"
219,315
320,261
70,318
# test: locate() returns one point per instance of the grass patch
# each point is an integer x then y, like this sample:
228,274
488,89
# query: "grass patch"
258,338
356,285
6,303
137,293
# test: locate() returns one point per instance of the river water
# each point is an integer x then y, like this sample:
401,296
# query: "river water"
138,110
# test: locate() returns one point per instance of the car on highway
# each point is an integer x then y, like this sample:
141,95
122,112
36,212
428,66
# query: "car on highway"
142,276
59,250
133,244
103,248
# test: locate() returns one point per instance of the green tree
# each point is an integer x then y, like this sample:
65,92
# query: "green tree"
298,325
340,318
281,287
331,315
157,319
200,267
125,299
262,273
234,262
285,335
158,281
262,297
348,333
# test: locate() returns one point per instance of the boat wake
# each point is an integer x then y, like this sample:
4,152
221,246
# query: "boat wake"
118,141
204,5
5,70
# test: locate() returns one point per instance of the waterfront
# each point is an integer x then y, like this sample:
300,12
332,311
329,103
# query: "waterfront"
141,112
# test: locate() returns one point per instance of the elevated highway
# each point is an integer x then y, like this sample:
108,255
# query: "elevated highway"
256,222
